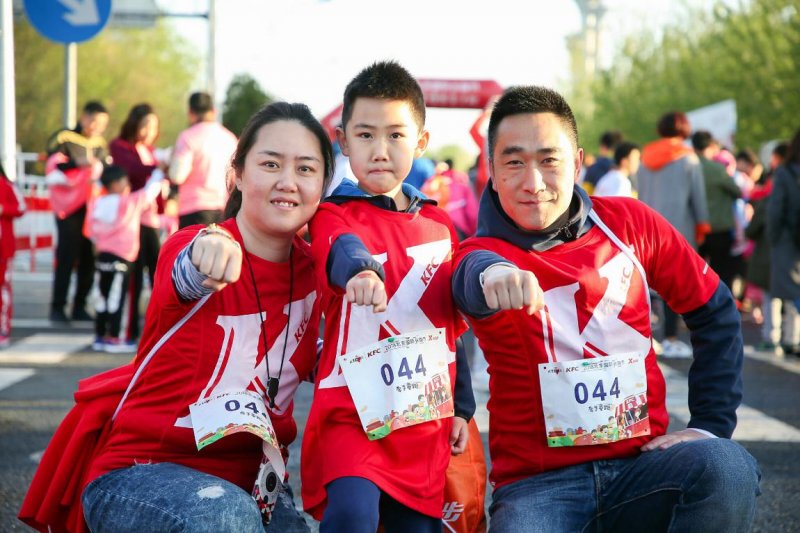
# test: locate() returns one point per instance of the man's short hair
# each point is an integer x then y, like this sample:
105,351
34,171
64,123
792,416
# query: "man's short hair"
701,140
674,124
623,151
94,107
200,103
385,80
531,99
781,149
611,139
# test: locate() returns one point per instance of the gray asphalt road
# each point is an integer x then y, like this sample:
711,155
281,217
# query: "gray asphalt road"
39,372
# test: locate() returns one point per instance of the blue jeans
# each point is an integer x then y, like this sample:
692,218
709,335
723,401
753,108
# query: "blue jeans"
707,485
174,498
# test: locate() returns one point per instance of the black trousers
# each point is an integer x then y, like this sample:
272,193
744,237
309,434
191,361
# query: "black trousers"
73,250
149,246
113,274
716,249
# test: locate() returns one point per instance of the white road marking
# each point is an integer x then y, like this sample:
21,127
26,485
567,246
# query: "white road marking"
792,364
753,425
10,376
45,348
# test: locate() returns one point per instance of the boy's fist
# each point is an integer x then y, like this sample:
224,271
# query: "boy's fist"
508,287
366,288
218,257
459,436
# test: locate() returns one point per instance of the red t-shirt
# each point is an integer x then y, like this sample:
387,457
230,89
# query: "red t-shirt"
416,253
576,277
219,349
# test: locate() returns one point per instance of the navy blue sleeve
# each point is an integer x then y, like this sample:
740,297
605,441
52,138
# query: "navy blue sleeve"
463,396
466,284
715,377
348,257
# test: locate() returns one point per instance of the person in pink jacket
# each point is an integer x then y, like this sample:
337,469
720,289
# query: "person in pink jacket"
11,206
114,227
199,165
452,191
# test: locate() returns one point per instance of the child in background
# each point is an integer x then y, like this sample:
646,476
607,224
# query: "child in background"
114,227
11,206
383,251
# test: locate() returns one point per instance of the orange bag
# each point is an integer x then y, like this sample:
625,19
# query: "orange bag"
465,488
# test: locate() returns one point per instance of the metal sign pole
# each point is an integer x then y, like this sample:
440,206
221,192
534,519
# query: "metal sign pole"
8,128
70,84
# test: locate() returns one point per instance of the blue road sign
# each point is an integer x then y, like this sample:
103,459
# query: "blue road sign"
68,21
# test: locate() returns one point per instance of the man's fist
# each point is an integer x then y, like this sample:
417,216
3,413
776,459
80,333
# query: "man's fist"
508,287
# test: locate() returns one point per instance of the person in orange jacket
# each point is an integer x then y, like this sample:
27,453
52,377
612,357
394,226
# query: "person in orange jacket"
671,182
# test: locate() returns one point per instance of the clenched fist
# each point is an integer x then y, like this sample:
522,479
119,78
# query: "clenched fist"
366,288
508,287
219,257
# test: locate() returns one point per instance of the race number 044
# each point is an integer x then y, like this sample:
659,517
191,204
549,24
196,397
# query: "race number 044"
582,391
404,370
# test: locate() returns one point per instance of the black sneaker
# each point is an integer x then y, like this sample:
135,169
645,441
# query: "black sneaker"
80,315
57,315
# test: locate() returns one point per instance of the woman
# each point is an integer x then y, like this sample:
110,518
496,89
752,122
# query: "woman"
134,151
203,339
783,228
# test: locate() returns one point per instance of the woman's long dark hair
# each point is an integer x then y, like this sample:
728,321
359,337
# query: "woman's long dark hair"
267,115
130,129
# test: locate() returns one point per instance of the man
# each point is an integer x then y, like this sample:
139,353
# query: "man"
670,181
617,182
556,288
75,159
721,195
609,140
200,164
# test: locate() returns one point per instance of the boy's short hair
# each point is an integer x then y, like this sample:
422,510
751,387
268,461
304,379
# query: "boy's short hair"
623,151
111,174
386,80
748,156
531,99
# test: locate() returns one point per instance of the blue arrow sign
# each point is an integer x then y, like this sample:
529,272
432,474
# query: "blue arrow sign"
68,21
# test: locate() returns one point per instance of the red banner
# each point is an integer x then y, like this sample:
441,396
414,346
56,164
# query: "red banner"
462,94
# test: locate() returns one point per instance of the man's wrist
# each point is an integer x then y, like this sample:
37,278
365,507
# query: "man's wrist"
482,275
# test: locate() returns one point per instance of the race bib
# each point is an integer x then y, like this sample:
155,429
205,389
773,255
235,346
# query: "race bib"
400,381
233,412
594,401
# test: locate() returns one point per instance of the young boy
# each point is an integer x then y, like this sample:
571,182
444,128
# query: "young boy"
384,252
114,227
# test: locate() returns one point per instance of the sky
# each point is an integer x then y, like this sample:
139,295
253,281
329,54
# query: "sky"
308,50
